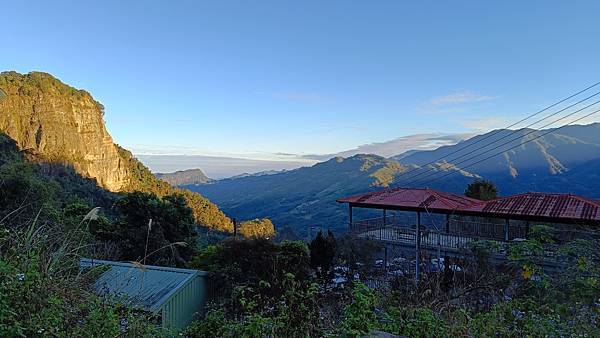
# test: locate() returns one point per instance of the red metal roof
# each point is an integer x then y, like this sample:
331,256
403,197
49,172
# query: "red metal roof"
412,198
535,204
531,205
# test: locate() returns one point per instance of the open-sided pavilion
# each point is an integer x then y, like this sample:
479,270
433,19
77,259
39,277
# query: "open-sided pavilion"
463,219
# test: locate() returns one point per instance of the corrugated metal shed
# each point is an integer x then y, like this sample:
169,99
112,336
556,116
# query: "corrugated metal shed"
177,294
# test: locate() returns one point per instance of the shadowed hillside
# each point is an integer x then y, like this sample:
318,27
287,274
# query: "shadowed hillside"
307,196
551,154
54,123
563,162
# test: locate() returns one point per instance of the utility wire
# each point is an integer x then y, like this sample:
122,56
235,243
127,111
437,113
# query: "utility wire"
516,146
508,127
487,137
509,141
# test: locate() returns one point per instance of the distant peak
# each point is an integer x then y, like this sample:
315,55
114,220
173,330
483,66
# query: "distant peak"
185,177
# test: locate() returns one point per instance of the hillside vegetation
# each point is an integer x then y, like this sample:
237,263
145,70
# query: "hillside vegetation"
205,212
53,212
307,196
288,290
54,123
50,216
565,161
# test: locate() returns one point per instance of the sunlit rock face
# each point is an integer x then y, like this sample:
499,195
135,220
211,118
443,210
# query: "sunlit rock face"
53,122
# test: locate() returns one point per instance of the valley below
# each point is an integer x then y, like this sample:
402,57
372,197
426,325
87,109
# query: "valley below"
566,161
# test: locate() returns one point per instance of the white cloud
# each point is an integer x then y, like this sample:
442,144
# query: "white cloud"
154,150
386,149
399,145
594,118
485,124
214,167
460,97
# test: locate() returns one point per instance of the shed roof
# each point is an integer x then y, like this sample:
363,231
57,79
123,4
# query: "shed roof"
147,288
542,205
527,206
412,198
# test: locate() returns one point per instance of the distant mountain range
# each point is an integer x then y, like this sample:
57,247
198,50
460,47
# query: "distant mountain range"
565,160
185,177
553,153
260,173
306,196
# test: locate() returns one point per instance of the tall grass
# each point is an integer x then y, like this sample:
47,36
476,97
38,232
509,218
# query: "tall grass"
44,292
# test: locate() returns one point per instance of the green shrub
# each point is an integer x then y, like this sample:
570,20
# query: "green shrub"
359,315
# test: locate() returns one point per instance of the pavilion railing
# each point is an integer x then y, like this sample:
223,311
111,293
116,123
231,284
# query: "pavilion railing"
406,235
457,232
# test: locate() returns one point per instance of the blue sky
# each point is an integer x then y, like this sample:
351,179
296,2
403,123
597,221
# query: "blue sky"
261,78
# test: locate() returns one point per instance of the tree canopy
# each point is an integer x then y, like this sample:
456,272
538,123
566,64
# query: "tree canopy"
257,228
482,190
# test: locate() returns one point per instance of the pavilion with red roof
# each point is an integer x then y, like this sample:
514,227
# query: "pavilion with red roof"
530,206
466,219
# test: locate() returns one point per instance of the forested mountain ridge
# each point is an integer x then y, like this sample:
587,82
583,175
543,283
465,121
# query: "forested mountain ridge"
552,153
52,122
566,160
307,196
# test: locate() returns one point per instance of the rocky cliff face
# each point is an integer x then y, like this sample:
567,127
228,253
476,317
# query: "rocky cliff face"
57,123
53,122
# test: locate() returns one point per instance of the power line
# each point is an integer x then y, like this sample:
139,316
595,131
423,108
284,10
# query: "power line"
505,143
510,126
529,133
518,145
490,135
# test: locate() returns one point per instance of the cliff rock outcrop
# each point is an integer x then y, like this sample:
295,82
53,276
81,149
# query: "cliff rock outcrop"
54,122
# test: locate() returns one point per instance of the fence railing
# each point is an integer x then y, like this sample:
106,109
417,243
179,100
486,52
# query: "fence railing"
456,234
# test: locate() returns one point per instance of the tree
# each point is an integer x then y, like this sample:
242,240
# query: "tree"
255,269
482,190
322,252
257,228
168,239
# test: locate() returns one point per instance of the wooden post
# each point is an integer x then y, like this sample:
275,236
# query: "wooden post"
384,217
527,229
235,226
506,229
418,247
447,223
